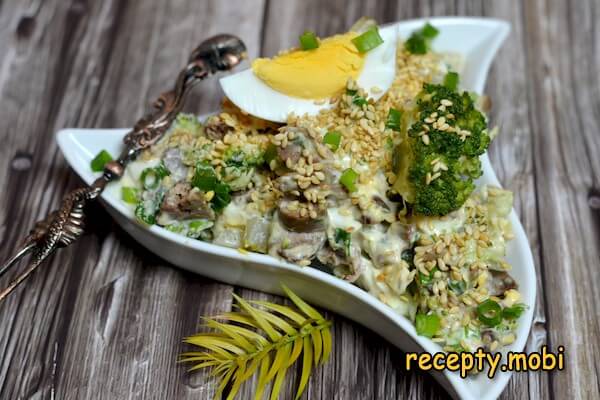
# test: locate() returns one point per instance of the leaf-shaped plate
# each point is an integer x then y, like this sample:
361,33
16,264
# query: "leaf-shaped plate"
478,41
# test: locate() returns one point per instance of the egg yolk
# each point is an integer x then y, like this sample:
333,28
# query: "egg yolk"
313,74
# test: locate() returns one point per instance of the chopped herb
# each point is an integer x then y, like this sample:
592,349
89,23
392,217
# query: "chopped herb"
427,325
489,312
222,196
147,209
130,195
451,80
205,177
425,280
348,179
308,41
270,153
100,161
429,31
368,40
359,101
513,312
342,238
393,119
420,40
149,179
332,139
457,287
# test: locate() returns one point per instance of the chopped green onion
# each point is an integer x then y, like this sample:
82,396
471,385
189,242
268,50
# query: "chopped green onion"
427,325
270,153
489,312
393,119
420,40
451,80
205,177
147,209
222,196
368,40
348,179
308,41
130,195
162,171
342,237
100,160
429,31
332,139
457,287
513,312
425,280
150,178
416,44
359,101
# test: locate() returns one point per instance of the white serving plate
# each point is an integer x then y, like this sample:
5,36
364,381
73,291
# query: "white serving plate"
478,41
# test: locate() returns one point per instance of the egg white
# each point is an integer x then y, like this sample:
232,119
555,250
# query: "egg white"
255,97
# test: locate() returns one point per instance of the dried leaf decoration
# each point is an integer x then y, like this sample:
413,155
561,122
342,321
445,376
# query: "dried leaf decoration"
263,338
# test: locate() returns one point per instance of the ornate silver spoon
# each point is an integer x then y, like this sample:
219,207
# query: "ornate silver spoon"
65,225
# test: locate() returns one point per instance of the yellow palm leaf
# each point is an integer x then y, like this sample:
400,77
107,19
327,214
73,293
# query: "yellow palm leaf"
306,367
261,338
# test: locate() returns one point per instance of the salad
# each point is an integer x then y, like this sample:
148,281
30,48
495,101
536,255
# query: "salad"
356,154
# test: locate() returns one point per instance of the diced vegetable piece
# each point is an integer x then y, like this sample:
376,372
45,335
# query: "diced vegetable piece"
149,179
451,80
425,280
429,31
348,179
394,119
190,228
427,325
359,101
149,206
332,139
130,195
270,153
308,41
457,287
343,239
513,312
187,122
368,40
100,160
420,40
205,177
222,197
416,44
489,312
162,171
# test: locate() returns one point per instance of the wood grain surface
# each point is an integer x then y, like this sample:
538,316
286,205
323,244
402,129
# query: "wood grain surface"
104,319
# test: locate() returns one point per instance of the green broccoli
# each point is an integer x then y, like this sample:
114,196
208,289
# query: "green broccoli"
438,158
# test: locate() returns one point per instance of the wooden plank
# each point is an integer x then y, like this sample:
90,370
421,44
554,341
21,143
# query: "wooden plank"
511,157
98,325
114,321
562,42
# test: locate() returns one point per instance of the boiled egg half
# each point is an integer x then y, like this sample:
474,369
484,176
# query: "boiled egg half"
303,81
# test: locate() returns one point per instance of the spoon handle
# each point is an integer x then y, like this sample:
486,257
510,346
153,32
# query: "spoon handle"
65,225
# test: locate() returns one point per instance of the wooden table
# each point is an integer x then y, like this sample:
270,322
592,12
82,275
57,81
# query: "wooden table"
105,318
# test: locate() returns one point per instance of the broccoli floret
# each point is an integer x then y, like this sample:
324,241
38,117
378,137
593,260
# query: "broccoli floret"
438,159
